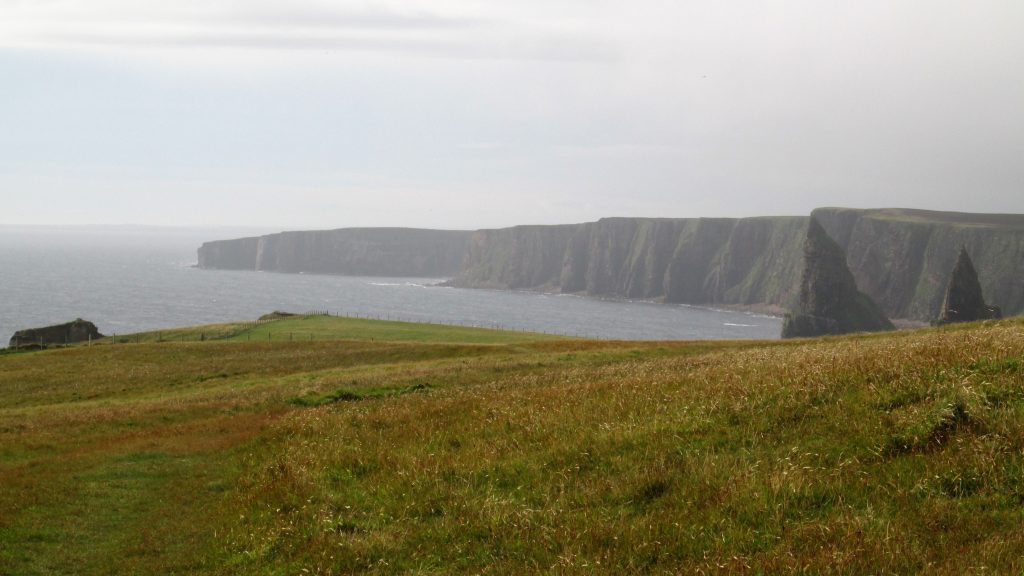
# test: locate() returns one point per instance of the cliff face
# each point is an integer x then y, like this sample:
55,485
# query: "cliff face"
693,261
618,257
237,254
353,251
523,257
902,258
829,301
761,262
899,258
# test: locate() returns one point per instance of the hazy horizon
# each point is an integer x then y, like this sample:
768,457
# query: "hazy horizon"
463,114
243,229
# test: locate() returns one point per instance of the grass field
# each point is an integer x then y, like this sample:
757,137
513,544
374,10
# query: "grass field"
400,448
304,328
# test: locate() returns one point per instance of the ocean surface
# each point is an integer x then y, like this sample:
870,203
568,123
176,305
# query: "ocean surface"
129,279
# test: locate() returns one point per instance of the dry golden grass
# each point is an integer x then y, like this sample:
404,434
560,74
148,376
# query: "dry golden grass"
883,454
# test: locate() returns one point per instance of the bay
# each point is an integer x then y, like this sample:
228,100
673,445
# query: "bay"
129,279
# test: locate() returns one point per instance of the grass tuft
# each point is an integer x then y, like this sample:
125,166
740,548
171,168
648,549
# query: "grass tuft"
946,417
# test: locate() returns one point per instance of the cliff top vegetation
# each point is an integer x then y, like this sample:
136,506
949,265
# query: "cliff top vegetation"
1015,221
888,453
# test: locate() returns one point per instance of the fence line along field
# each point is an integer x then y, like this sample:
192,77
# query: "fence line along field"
386,447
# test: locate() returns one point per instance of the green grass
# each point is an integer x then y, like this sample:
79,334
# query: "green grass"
313,399
386,448
334,328
331,328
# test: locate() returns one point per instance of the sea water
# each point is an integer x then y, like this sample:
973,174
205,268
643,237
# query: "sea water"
130,279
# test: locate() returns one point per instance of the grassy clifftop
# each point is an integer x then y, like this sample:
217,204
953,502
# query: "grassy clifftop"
444,454
318,328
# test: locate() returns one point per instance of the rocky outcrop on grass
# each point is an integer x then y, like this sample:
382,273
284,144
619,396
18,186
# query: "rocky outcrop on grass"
829,301
963,300
70,333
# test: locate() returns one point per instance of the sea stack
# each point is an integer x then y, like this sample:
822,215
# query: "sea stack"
964,301
77,331
829,301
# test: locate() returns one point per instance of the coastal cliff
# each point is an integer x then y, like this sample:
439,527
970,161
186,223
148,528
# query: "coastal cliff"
238,254
902,258
351,251
517,258
749,261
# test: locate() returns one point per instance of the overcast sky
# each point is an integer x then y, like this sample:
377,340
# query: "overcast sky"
477,113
